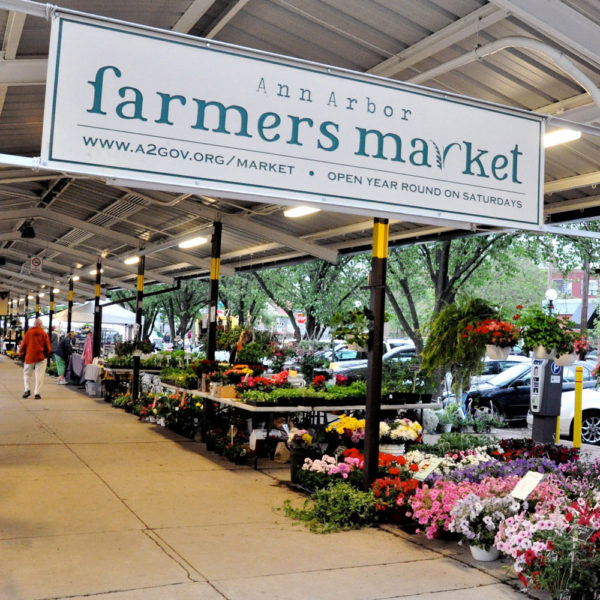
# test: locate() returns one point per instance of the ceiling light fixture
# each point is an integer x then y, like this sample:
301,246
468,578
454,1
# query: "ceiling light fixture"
132,260
193,242
29,297
560,136
93,271
41,295
56,291
300,211
75,278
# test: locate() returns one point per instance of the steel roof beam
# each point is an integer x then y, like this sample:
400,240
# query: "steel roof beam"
560,23
131,270
192,15
45,213
479,19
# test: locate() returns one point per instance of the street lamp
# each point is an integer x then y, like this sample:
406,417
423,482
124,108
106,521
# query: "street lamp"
551,295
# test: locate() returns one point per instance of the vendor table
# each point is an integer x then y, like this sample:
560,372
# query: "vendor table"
300,408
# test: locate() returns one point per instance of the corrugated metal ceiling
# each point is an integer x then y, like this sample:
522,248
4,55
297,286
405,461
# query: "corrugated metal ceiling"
398,38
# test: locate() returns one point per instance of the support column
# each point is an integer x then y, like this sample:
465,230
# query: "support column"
37,306
377,283
70,305
213,299
26,326
97,334
50,315
213,302
135,392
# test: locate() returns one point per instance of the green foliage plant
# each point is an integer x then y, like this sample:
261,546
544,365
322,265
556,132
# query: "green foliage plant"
252,353
337,507
541,327
352,326
448,347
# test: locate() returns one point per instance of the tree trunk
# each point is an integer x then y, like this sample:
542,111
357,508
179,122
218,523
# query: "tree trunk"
585,292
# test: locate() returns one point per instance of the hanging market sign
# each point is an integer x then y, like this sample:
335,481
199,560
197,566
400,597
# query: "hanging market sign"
162,109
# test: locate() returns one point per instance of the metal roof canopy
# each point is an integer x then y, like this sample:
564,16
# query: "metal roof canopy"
407,42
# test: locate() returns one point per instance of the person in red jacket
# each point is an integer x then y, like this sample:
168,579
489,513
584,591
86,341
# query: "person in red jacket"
35,349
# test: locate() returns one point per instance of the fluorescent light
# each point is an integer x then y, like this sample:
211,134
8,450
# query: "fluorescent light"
56,290
132,260
41,295
300,211
78,266
43,286
75,278
560,136
29,297
93,271
193,242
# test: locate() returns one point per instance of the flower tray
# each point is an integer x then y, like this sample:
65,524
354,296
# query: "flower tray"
280,402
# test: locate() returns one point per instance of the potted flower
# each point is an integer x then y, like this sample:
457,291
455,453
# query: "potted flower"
393,435
498,336
477,519
302,446
548,335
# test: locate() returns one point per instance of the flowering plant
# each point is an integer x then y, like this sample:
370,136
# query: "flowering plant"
300,438
399,430
279,355
349,429
476,519
392,493
318,382
582,346
540,327
264,384
492,331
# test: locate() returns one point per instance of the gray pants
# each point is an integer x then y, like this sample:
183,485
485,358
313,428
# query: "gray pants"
39,369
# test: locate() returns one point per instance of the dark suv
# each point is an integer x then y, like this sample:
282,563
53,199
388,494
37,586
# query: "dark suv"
508,393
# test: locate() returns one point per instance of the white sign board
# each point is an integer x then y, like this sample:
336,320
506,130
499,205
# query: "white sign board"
135,104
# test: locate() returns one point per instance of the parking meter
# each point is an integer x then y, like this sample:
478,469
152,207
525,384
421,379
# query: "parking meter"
546,391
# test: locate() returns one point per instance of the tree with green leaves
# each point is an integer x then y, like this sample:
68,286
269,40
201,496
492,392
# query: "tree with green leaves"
183,306
425,278
150,309
319,289
242,296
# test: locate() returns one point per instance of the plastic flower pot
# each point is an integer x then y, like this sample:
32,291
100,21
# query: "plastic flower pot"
497,352
565,360
481,554
542,353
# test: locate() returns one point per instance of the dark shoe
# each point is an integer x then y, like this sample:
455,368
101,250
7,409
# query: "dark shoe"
26,394
37,397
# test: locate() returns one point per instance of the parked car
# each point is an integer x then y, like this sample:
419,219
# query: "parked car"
357,369
508,393
590,420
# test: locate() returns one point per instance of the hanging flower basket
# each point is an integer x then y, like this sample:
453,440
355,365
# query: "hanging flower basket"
543,353
497,352
565,360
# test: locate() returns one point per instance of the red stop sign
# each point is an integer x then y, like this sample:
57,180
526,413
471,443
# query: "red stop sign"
301,319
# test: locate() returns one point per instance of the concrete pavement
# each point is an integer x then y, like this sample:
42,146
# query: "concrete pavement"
94,503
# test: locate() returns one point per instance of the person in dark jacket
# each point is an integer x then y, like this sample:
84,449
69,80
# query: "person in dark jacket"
63,355
35,349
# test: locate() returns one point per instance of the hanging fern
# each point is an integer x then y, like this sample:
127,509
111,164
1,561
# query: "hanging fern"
447,349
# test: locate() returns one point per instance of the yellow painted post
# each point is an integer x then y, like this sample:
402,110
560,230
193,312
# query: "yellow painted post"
557,435
577,417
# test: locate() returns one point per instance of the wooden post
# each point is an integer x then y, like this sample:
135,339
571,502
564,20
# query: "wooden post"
377,283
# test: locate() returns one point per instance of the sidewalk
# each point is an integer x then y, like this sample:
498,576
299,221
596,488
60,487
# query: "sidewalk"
94,503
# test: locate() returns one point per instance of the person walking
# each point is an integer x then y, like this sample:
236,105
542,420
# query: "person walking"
34,350
63,355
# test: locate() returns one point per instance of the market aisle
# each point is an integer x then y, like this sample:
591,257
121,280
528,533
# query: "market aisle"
95,503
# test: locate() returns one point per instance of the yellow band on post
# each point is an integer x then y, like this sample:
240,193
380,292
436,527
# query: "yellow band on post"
140,283
215,267
70,295
381,232
52,306
97,290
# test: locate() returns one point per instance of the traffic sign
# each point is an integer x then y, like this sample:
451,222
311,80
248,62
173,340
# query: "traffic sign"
36,264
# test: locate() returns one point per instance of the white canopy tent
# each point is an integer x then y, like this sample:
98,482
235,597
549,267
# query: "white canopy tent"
111,315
